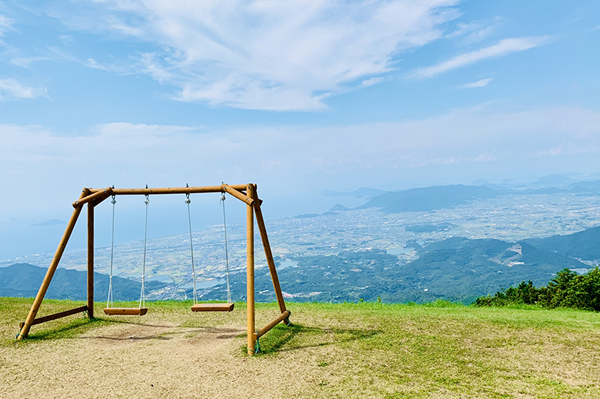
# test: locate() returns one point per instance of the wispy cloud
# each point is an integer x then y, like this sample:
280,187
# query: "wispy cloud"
24,62
502,48
474,32
265,55
14,89
479,83
5,24
371,81
92,63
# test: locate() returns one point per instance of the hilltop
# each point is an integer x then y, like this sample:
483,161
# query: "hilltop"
365,350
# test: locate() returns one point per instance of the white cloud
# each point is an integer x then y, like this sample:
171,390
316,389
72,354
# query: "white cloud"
474,32
92,63
5,24
371,81
24,62
265,54
479,83
294,158
502,48
16,90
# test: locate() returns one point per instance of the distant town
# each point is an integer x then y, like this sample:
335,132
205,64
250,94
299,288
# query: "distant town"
510,217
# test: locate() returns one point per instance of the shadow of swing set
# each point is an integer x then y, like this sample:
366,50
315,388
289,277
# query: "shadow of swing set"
246,193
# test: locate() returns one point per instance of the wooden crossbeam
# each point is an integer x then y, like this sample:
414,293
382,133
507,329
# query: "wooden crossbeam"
170,190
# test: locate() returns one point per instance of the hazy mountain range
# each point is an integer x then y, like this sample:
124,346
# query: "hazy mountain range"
458,269
24,280
448,196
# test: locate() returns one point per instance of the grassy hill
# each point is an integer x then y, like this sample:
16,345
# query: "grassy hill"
365,350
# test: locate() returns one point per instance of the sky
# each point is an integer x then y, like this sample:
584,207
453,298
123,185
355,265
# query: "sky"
296,96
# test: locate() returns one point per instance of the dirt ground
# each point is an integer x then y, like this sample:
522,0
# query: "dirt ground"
149,358
332,351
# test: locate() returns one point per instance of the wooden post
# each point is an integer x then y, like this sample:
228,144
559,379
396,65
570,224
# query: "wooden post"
90,260
50,273
250,271
269,255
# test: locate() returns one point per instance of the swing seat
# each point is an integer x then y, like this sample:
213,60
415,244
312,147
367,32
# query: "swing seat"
126,311
212,307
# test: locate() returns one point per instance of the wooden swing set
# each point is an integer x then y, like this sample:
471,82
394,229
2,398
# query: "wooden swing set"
92,197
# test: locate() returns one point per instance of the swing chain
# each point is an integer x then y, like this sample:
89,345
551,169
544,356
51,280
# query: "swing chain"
187,198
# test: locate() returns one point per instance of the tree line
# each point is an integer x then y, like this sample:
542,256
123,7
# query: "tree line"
568,289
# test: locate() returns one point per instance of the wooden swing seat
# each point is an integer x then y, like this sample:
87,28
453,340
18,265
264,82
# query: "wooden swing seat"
213,307
126,311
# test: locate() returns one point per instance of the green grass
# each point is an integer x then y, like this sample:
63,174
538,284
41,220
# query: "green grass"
396,350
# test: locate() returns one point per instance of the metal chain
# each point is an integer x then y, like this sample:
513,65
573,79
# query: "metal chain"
188,201
109,301
142,297
226,250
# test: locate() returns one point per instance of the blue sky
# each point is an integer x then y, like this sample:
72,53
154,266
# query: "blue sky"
297,96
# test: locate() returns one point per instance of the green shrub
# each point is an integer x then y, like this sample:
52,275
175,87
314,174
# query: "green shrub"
568,289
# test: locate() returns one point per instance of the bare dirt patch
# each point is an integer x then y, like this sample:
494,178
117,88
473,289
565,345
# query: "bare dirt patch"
345,351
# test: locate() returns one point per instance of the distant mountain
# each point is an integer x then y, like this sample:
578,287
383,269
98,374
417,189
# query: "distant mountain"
441,197
471,268
51,222
585,187
339,208
363,192
24,280
583,245
557,180
457,269
429,198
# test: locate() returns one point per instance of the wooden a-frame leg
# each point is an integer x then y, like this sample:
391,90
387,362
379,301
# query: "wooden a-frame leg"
90,260
250,271
269,255
50,273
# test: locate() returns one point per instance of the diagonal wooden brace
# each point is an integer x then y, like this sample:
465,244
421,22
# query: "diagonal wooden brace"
230,190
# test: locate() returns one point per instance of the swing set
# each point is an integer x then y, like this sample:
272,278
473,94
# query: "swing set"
93,197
